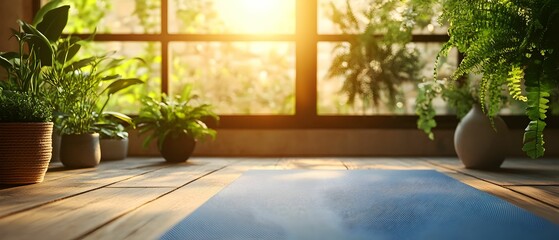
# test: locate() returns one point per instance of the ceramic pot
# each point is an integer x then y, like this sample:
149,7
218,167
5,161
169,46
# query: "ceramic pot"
477,143
177,147
25,152
56,138
113,149
80,151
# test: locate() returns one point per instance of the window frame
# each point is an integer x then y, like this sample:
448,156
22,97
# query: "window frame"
306,39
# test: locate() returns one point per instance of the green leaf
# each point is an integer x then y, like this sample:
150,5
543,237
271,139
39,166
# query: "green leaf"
5,63
54,21
69,49
80,64
44,9
120,116
39,43
111,77
121,84
533,139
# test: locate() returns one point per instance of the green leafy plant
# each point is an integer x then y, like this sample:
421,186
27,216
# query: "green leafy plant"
113,125
22,107
513,44
77,97
458,96
24,82
379,60
165,115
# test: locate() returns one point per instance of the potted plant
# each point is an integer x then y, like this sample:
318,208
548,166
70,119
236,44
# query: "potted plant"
25,118
112,129
513,44
176,123
480,142
77,102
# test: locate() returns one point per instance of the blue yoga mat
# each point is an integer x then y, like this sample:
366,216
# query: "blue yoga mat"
358,204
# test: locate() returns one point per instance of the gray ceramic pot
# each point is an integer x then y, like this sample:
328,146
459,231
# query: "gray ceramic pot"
113,149
80,151
477,143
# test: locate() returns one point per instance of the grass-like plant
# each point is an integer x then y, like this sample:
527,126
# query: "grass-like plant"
171,115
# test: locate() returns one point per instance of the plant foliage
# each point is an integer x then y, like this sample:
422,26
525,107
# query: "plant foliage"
165,115
376,62
24,83
513,43
22,107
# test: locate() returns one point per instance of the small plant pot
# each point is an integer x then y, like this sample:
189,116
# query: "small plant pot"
113,149
56,138
80,151
477,143
25,152
177,147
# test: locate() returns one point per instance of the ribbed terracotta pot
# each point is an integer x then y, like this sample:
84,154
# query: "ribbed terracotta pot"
477,143
80,151
113,149
177,147
25,152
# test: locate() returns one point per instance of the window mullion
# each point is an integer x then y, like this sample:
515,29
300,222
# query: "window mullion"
164,47
306,59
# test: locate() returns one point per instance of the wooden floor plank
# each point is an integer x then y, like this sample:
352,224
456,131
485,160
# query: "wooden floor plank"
25,197
513,172
312,163
548,194
535,206
74,217
153,219
57,171
174,175
385,163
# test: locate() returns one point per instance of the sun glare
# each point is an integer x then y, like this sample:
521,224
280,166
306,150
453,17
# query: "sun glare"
258,16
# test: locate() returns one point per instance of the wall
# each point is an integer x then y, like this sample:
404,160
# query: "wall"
10,12
325,142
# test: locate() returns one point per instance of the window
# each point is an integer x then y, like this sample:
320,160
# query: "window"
262,63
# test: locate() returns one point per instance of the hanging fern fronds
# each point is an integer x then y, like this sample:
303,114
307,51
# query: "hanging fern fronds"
514,81
537,92
513,44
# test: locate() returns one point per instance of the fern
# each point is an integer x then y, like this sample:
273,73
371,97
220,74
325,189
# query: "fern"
515,76
537,93
513,43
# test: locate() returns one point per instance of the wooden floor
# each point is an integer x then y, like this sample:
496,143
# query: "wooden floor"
140,198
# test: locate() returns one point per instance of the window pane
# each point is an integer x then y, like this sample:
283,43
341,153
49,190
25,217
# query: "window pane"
113,16
328,24
232,16
236,77
148,69
333,101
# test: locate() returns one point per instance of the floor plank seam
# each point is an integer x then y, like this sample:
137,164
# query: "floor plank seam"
150,201
541,201
343,163
71,196
502,186
530,185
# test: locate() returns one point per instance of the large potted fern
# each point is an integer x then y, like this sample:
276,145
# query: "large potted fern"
513,44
